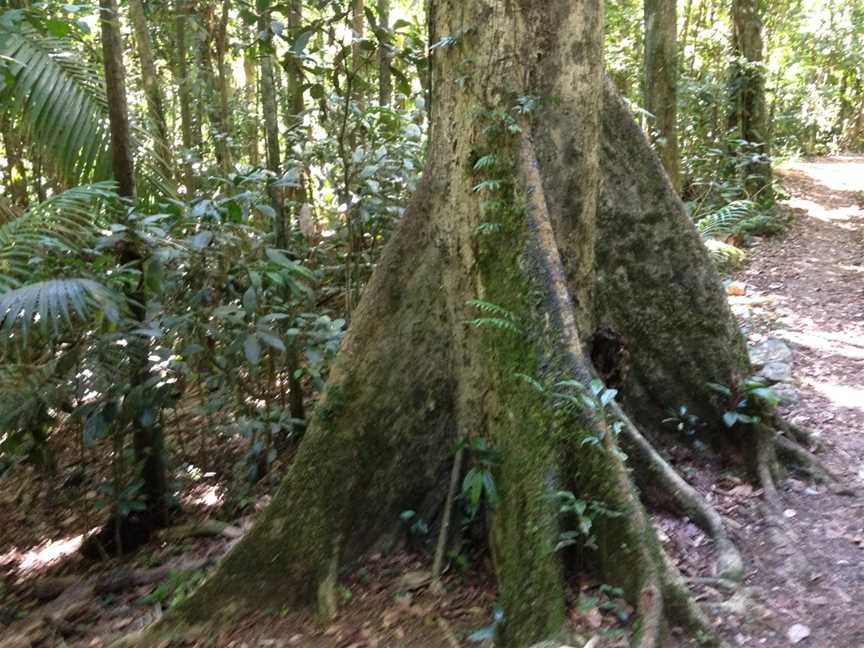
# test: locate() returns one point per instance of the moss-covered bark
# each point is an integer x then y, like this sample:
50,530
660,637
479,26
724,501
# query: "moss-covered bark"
657,291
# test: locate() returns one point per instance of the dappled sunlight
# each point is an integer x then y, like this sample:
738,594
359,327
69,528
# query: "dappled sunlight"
825,213
204,496
30,562
827,342
847,396
842,173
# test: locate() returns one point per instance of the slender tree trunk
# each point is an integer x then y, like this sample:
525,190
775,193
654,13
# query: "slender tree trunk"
358,27
250,71
385,81
181,17
152,88
147,438
294,70
215,76
661,81
747,96
223,78
281,220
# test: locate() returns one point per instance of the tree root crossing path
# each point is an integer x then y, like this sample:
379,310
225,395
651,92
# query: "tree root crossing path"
805,289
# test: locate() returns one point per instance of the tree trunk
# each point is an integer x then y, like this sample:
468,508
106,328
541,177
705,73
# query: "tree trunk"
358,22
147,438
181,16
215,76
747,96
544,246
152,88
385,54
251,98
661,81
281,220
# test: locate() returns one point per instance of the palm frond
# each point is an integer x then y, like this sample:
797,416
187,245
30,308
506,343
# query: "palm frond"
724,221
61,101
63,221
50,303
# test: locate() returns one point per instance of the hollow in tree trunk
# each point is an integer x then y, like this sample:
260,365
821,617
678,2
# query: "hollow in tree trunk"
545,246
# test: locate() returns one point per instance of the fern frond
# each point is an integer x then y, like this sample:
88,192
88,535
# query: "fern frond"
492,309
50,303
65,221
724,221
62,103
495,322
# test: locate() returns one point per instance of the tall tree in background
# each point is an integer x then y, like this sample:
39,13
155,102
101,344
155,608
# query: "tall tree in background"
385,77
184,92
281,217
661,81
147,433
543,249
748,117
152,87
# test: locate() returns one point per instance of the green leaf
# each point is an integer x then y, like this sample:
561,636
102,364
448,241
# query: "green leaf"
252,349
730,418
250,300
271,340
720,389
58,28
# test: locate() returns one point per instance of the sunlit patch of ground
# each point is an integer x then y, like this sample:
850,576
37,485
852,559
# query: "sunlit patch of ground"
27,563
841,173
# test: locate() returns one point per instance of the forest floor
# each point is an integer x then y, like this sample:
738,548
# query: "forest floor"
804,580
806,288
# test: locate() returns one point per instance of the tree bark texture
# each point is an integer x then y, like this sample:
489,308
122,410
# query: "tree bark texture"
661,81
152,88
183,80
385,54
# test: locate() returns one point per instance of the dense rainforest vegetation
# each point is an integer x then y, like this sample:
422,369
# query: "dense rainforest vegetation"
413,274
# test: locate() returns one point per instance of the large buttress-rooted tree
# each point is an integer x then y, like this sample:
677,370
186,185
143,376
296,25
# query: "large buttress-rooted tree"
545,220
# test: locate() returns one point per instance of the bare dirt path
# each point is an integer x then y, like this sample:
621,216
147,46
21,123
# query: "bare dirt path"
806,288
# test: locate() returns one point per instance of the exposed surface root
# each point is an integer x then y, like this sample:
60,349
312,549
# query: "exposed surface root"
729,562
684,609
444,533
766,469
803,458
804,436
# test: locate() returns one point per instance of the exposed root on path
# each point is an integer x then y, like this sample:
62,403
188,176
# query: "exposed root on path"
802,435
768,470
730,565
803,458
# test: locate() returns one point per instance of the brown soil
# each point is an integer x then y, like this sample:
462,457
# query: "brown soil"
808,286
